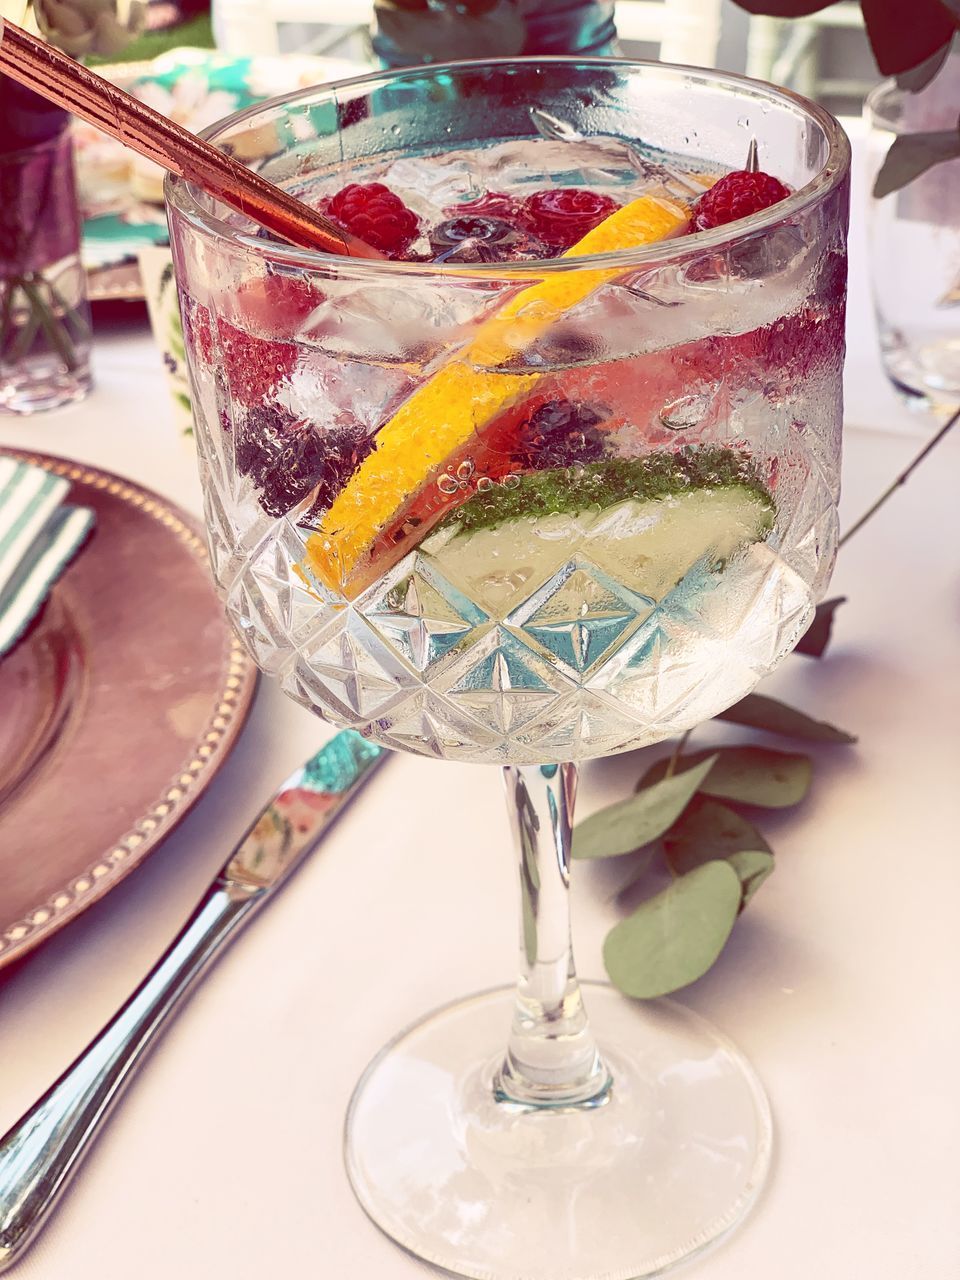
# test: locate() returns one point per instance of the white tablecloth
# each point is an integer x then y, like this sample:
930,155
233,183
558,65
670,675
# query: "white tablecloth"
224,1160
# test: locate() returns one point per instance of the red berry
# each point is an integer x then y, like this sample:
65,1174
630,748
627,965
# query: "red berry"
373,213
562,216
276,305
737,195
254,366
199,334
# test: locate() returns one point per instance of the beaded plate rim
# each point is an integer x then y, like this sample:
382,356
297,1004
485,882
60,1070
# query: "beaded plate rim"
210,750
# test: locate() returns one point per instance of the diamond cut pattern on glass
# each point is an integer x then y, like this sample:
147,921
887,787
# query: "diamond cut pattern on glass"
580,614
502,683
429,725
582,725
360,672
421,614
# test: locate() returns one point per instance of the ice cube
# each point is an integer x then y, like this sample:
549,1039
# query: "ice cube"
327,390
426,184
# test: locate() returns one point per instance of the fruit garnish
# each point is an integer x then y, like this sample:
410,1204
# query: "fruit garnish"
254,366
288,460
737,195
563,215
646,521
444,412
257,356
560,433
375,214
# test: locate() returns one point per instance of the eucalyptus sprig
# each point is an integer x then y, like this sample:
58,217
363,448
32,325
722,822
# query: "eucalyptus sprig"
684,824
683,820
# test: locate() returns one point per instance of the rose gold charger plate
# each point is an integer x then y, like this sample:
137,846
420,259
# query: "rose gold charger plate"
116,709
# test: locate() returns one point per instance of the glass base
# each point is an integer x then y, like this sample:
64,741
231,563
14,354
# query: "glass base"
926,374
40,384
663,1168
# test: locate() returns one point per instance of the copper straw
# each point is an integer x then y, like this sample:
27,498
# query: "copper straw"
57,77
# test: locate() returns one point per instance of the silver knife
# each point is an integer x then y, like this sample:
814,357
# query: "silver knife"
43,1150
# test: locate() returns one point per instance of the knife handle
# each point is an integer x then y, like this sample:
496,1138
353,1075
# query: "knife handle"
42,1151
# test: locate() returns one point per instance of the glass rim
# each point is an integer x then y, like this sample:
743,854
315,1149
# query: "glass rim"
878,102
182,202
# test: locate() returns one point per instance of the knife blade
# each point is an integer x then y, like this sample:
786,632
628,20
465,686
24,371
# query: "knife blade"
41,1152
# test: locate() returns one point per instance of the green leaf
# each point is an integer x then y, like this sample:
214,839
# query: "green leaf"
529,921
758,711
674,937
752,775
632,823
815,639
709,830
911,155
752,866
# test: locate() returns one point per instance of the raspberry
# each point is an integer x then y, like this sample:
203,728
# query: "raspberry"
253,366
737,195
199,334
373,213
562,216
288,460
492,204
277,304
560,434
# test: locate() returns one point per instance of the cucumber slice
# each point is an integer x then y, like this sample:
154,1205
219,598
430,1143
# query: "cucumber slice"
646,544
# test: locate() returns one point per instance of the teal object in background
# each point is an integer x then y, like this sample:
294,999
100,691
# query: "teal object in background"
337,766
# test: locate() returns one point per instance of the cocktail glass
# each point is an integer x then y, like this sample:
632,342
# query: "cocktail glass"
484,506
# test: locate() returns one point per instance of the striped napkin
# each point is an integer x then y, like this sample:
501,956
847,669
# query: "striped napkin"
38,536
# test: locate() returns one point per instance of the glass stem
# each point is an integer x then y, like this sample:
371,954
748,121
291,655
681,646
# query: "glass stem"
551,1058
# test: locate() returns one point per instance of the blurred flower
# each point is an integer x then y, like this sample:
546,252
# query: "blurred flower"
80,27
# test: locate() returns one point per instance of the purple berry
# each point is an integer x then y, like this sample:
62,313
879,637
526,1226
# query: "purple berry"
560,434
288,460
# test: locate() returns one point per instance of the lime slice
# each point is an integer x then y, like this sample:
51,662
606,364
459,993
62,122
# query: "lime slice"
440,416
646,546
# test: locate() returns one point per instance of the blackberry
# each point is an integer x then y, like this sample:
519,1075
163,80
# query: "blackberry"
344,448
560,434
288,460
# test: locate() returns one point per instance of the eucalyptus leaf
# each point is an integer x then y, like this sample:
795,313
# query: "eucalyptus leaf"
817,636
674,937
752,866
752,775
708,830
632,823
911,155
757,711
529,922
